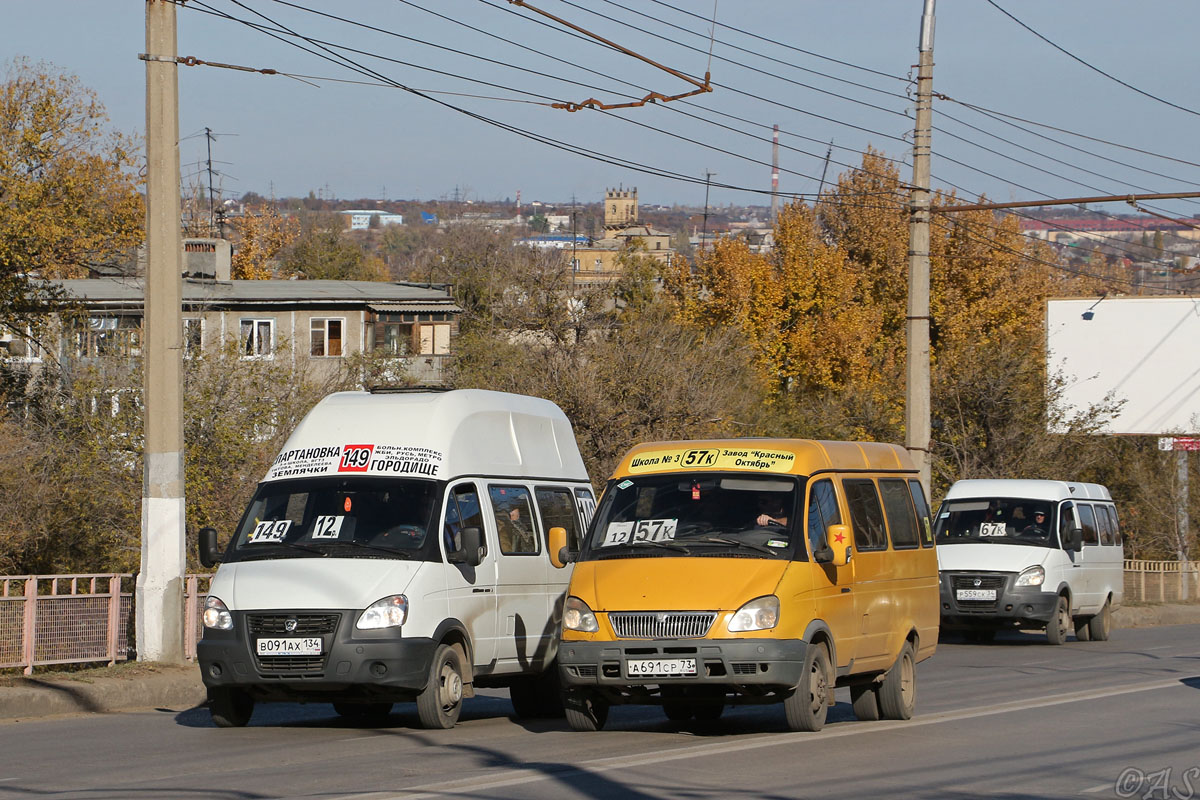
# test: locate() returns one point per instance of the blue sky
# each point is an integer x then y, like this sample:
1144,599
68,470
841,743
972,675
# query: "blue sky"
827,70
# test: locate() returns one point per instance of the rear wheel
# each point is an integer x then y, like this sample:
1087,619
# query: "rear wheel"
898,692
1060,623
585,711
1082,630
230,708
1100,626
439,705
807,707
864,697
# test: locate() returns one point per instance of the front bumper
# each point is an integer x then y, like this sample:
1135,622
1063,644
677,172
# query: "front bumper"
354,664
1014,606
768,663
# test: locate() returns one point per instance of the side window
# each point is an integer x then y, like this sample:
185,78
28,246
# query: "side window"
1103,525
515,524
587,505
866,515
462,511
897,506
558,511
1116,529
1066,523
924,523
1087,521
822,512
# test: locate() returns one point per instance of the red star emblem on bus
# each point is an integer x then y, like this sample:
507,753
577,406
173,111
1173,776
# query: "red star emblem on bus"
839,538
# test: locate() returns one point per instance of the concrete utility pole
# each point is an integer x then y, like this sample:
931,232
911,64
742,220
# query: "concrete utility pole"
917,426
159,599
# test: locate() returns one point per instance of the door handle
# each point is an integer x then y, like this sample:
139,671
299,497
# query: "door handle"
845,589
480,591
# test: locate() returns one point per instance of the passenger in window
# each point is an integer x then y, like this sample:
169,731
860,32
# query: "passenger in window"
771,511
515,534
1038,527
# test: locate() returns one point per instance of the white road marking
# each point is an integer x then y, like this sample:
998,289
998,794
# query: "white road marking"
599,765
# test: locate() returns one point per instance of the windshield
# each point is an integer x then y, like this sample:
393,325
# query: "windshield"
705,514
997,520
356,517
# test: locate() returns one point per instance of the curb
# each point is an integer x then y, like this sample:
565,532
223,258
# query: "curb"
173,688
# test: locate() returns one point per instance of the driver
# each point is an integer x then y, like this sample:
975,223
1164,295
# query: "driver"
771,511
1038,526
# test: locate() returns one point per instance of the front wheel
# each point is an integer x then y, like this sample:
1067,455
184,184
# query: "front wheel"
585,711
898,692
439,705
807,707
1100,626
230,708
1060,623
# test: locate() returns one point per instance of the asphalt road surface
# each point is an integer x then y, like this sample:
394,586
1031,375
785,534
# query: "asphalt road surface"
1013,719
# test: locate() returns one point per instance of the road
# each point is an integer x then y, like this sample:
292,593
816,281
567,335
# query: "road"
1013,719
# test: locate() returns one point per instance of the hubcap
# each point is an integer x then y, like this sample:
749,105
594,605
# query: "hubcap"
451,687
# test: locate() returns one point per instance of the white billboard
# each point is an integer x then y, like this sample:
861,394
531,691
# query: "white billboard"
1142,350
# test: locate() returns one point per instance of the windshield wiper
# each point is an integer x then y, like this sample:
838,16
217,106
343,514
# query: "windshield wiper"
664,545
736,543
379,547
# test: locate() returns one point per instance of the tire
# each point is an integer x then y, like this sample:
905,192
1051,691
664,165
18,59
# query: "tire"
1060,623
439,705
806,708
230,708
1082,629
364,712
898,692
1100,626
864,697
585,712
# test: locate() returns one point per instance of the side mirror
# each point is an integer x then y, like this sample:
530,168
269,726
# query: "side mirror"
471,543
557,539
1075,539
839,544
206,544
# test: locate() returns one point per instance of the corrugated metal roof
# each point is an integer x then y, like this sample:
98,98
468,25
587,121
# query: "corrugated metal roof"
195,292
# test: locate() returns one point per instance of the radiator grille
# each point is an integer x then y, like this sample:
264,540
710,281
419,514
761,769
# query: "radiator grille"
662,624
306,624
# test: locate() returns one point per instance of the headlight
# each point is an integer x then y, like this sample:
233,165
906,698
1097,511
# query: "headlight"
390,612
216,614
1034,576
759,614
578,617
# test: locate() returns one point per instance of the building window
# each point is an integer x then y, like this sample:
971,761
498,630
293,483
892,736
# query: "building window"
103,337
257,338
435,339
19,347
193,337
393,338
326,337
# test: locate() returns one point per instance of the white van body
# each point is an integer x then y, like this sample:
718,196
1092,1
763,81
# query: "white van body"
361,521
1002,566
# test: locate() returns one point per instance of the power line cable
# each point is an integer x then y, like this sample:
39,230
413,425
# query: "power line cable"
1092,67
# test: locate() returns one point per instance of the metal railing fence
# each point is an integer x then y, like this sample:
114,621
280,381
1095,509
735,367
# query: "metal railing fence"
76,619
1161,581
79,619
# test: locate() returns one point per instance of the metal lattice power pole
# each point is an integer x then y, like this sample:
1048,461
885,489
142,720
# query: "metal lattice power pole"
918,431
159,599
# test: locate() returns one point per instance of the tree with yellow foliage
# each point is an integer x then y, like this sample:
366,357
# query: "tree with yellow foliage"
70,188
264,233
